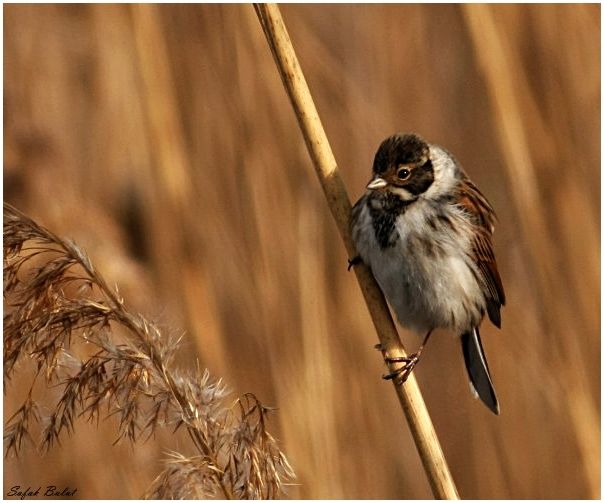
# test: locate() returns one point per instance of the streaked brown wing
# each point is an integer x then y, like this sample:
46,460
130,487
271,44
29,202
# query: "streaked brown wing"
483,216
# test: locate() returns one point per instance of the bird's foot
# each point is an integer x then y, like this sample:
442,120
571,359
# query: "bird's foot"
400,375
354,261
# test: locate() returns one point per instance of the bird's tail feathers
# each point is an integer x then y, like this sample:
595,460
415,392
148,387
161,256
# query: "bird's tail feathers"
478,369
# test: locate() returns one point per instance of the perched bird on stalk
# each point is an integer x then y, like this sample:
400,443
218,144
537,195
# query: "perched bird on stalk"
425,230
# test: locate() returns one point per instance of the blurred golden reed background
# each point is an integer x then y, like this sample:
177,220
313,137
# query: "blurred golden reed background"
160,139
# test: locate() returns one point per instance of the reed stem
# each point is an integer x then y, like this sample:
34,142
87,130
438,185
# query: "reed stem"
409,395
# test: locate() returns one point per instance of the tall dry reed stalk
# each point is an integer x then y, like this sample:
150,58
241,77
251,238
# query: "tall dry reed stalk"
409,395
251,267
59,307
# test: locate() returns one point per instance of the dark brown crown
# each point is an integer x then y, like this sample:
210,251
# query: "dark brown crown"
400,149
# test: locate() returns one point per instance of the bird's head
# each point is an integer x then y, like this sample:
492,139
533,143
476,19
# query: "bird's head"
407,166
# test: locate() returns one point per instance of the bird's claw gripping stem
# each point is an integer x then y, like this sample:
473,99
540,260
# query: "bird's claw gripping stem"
354,261
400,375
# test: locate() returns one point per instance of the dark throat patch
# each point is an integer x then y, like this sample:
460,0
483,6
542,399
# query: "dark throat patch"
384,218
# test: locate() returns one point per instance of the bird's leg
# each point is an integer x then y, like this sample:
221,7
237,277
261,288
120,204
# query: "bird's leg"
400,375
354,261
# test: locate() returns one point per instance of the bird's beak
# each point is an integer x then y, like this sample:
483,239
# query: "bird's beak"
377,183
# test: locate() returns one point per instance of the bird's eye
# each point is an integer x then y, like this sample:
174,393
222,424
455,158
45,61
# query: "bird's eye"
403,173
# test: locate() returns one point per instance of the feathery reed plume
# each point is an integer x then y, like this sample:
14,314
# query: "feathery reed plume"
58,307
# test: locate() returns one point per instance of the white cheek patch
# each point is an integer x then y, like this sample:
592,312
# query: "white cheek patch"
445,173
404,194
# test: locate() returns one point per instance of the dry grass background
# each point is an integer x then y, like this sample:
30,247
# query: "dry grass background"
160,139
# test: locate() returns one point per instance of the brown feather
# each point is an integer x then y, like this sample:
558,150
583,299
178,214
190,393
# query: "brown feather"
483,217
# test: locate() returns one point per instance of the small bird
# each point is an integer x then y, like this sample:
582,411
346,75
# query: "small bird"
425,230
